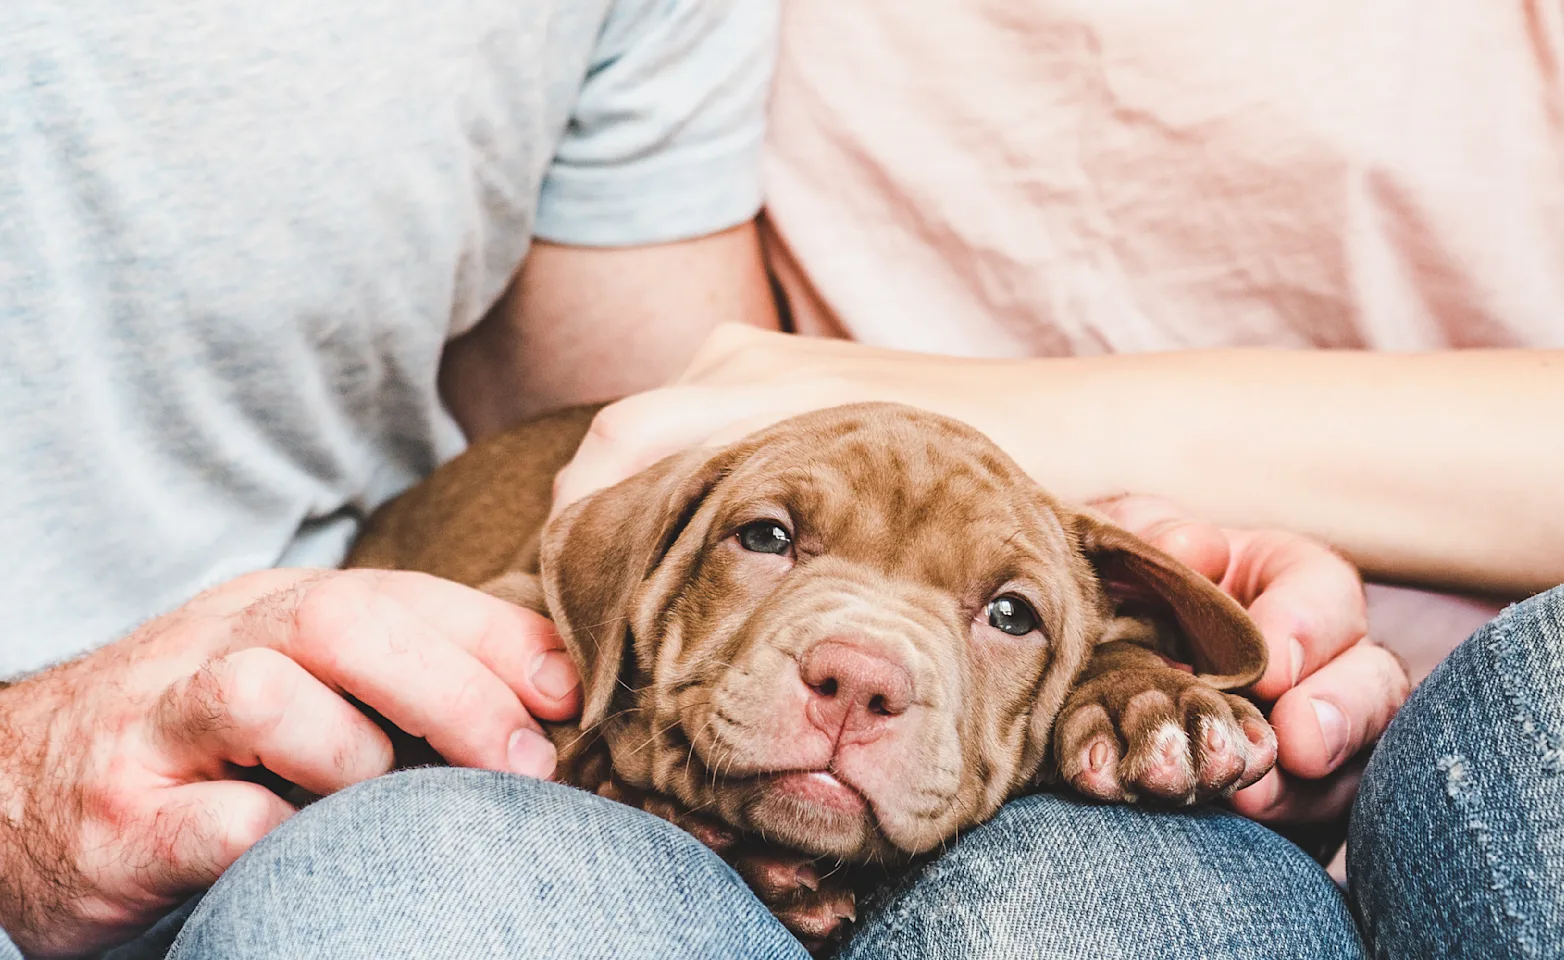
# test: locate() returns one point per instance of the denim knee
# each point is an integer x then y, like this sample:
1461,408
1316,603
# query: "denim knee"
466,863
1050,877
1457,840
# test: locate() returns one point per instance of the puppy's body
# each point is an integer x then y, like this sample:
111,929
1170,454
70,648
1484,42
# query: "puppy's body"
855,634
480,515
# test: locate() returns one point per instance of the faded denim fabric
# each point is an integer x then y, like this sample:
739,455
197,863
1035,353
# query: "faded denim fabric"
459,863
465,863
1455,854
1457,842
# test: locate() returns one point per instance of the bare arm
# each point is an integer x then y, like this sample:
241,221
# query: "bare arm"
586,324
1443,469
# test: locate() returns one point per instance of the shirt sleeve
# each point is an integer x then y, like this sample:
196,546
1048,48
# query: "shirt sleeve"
665,140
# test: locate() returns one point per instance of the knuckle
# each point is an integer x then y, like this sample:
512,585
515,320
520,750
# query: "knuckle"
1392,673
111,798
256,690
1083,721
721,344
320,615
477,701
361,757
618,421
1150,700
240,828
200,705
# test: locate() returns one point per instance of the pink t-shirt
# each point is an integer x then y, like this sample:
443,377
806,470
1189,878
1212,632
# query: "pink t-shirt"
1046,177
1051,177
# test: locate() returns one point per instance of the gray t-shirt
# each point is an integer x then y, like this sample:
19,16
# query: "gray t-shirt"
235,235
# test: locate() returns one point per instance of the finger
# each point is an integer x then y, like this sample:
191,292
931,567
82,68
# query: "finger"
194,832
520,646
1279,798
257,707
233,596
1338,711
351,633
1201,546
1306,600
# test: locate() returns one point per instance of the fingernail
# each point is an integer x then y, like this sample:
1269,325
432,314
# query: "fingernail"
1333,728
530,754
1297,661
553,674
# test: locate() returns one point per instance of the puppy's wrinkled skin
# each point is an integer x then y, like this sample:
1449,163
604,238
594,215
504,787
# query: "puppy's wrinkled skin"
847,637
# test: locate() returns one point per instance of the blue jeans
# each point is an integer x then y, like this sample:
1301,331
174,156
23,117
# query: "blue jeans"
1456,850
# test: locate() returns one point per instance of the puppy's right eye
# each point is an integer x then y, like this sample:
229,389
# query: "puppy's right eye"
1012,615
765,536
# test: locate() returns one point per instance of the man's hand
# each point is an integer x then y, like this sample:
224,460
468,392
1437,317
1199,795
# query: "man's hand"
119,787
1333,690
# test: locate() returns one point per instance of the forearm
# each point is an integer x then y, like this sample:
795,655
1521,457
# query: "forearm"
1444,468
1439,469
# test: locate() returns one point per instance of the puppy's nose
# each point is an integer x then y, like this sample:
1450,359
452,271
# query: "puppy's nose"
853,691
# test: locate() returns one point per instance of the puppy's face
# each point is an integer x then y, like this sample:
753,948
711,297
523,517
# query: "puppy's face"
849,633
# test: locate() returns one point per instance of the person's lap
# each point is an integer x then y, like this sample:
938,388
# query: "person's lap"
1457,829
1457,840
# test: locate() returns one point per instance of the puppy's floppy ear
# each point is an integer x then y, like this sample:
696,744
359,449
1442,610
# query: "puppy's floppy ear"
514,586
597,553
1225,645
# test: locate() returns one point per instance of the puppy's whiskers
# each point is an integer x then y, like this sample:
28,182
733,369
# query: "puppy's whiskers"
656,735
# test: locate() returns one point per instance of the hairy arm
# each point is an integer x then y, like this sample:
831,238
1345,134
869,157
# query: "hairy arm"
587,324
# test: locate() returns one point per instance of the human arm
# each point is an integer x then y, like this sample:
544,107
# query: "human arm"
1298,589
125,779
1435,469
644,234
589,324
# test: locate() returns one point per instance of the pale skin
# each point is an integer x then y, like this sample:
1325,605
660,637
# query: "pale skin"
121,788
1425,469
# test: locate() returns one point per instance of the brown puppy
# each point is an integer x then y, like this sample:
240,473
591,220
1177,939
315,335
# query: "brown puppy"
855,634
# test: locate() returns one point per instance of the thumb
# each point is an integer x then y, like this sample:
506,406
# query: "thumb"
197,830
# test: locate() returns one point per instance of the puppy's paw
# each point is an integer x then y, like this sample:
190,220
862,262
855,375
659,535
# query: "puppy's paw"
1159,734
819,919
817,908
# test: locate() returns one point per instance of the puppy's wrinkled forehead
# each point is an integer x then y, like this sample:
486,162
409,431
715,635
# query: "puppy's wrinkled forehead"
913,494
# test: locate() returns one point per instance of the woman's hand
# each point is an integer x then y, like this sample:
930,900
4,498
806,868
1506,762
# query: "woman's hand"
741,380
1333,690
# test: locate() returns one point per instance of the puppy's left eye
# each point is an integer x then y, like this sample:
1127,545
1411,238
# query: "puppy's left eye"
1011,614
765,536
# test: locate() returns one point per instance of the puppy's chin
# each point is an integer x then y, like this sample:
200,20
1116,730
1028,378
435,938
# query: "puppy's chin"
816,813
